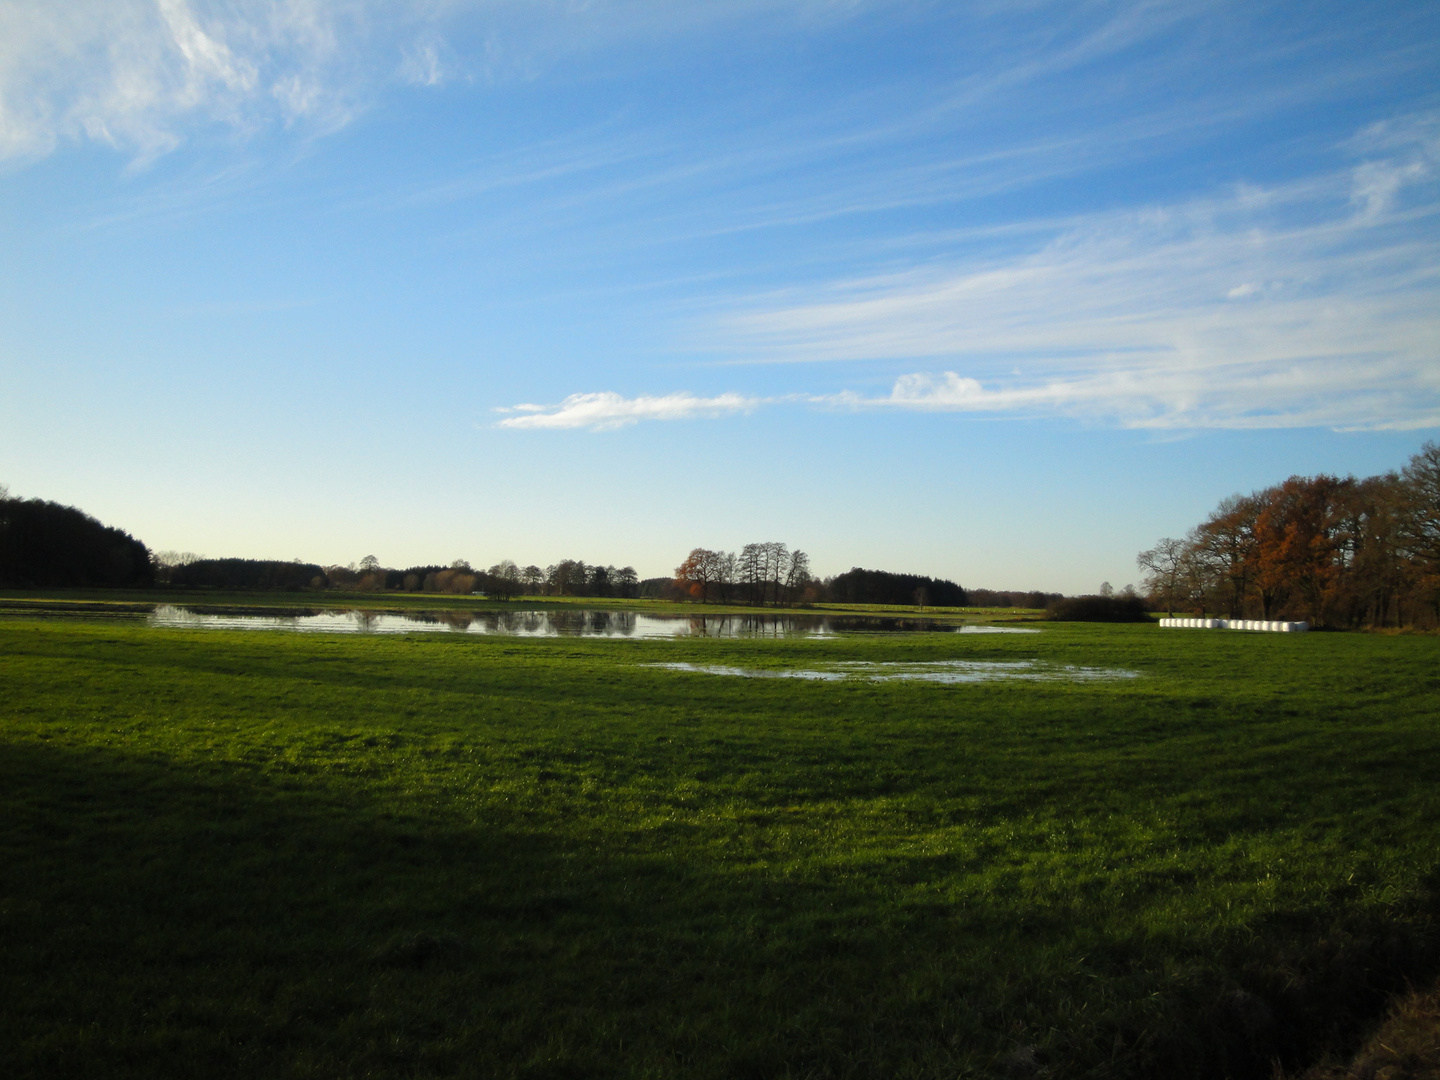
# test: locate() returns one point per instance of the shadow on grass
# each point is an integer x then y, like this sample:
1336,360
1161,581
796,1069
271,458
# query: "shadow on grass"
159,919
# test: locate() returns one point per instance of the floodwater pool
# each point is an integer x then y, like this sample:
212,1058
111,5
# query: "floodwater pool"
577,623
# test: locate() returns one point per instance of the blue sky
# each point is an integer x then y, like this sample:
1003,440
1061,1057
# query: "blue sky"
997,292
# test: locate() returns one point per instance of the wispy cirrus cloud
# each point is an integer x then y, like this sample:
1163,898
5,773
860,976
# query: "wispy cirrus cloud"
605,411
137,74
1309,304
1321,394
141,75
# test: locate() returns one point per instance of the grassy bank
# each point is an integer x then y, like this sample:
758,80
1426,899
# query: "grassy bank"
263,854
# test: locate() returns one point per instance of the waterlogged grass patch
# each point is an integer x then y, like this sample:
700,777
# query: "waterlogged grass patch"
974,671
936,671
749,673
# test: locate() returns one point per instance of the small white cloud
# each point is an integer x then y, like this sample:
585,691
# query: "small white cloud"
948,391
1242,292
606,410
923,389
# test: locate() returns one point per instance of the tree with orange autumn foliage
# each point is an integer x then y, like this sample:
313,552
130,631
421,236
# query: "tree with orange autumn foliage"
1295,543
698,573
1335,551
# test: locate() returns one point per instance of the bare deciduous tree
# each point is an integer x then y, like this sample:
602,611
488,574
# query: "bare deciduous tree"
1164,564
503,580
797,575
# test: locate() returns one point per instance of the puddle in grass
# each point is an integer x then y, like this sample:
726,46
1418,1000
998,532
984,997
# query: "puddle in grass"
936,671
576,623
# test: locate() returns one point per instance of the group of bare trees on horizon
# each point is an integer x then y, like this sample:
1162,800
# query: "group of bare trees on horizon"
764,573
1338,552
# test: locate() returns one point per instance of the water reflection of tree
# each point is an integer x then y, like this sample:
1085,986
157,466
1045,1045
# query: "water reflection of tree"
455,620
751,625
567,622
578,623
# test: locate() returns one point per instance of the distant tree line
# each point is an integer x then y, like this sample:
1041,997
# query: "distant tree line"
659,588
505,580
1336,552
240,574
857,586
46,545
568,577
572,577
1017,598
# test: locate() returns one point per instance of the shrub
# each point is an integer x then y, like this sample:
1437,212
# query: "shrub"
1098,609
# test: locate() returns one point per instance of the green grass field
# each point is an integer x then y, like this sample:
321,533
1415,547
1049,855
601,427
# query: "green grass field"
282,855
